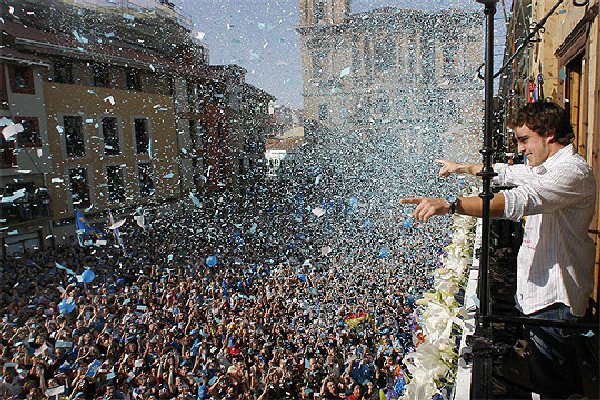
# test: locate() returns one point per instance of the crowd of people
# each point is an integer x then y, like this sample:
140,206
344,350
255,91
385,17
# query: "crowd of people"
311,297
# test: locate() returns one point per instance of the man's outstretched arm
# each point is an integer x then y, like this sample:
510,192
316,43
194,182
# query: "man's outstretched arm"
450,167
473,206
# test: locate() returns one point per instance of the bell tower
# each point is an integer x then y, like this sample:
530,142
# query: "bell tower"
320,12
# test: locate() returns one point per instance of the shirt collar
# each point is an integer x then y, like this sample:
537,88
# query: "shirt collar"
566,151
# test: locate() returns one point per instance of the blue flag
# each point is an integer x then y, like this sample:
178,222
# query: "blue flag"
83,227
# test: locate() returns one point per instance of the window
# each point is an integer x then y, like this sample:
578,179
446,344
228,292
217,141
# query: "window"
9,158
80,191
134,81
142,137
63,72
367,54
100,75
221,135
201,130
116,183
191,92
22,79
323,112
200,98
319,10
110,131
385,54
450,61
145,172
30,137
356,60
318,64
74,138
193,128
171,85
3,89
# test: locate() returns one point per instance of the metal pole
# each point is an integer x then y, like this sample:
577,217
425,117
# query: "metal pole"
481,387
487,173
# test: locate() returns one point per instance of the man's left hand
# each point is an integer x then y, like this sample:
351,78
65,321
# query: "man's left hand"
427,207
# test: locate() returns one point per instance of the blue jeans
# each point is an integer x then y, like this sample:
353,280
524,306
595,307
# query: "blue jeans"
557,355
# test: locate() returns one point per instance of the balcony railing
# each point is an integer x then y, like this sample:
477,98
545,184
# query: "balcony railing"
25,209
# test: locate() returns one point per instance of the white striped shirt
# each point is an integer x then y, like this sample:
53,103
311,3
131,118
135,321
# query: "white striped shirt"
556,260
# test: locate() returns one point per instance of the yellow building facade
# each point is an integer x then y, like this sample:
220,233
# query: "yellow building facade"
85,124
566,58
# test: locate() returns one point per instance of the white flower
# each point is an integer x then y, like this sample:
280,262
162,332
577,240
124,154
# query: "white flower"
437,313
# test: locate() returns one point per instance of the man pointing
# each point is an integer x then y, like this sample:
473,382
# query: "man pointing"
556,191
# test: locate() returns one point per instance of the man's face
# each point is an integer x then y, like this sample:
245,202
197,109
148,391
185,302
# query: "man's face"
536,147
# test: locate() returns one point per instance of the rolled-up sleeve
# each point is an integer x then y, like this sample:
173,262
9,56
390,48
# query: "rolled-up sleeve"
549,192
500,169
512,175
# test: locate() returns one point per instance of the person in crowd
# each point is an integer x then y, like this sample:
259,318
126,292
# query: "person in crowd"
235,298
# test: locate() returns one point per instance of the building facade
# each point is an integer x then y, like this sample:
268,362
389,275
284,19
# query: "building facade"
388,68
25,155
118,107
100,128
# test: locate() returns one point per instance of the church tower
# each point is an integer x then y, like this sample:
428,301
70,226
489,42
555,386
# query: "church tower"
321,12
321,22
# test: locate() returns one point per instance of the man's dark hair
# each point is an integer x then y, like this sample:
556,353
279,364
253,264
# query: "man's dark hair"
545,117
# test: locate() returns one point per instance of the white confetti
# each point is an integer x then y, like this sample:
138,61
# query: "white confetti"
318,211
11,130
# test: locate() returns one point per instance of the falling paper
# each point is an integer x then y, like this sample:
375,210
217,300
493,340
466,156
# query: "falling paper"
110,99
117,224
200,35
345,72
55,391
11,130
16,195
139,219
195,200
169,175
68,270
318,211
80,38
40,350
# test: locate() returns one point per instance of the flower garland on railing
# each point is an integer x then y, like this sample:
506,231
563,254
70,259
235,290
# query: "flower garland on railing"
432,365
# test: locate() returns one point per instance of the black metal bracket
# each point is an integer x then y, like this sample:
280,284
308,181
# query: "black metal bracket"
537,27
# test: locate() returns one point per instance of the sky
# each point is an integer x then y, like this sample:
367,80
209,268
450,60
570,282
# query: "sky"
260,36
